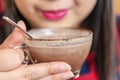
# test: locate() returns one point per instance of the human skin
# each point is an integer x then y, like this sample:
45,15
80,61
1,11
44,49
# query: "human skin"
11,67
77,11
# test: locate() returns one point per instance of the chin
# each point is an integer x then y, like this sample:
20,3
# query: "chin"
55,25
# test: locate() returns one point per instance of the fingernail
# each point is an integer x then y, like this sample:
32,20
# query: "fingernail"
64,68
20,21
68,75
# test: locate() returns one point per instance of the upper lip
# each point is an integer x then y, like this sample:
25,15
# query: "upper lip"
51,10
54,11
53,7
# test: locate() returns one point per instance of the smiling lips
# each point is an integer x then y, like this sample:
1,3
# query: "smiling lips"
54,15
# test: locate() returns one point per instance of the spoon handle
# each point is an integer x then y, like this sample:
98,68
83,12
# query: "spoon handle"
15,25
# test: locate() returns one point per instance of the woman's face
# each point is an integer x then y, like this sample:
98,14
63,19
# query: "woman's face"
55,13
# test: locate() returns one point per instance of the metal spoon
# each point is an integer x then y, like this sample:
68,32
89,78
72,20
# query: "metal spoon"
21,46
15,25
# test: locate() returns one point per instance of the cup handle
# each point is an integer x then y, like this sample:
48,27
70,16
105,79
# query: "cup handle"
76,75
28,59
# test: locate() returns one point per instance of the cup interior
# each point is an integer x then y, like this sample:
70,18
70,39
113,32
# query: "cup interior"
49,37
69,45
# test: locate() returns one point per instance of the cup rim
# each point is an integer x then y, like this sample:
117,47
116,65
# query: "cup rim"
87,37
60,42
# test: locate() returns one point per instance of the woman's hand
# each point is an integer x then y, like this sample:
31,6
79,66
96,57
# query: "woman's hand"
11,67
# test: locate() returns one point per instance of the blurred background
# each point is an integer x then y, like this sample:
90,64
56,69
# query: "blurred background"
117,12
117,7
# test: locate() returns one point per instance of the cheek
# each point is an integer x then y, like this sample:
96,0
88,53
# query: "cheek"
84,7
77,2
20,5
24,7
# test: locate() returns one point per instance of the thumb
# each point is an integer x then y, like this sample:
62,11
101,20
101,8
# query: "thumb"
16,37
16,55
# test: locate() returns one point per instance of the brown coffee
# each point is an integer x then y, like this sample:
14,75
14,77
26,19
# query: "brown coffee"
71,46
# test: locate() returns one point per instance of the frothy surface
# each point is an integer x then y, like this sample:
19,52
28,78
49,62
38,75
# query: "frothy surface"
58,33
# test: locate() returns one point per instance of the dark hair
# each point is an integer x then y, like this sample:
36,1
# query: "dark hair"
100,21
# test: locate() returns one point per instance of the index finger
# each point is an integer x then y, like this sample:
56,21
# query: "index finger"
33,72
16,37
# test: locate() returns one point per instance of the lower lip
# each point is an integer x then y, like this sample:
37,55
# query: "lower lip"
54,15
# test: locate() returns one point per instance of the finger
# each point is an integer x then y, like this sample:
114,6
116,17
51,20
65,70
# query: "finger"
10,59
37,71
16,37
13,75
61,76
